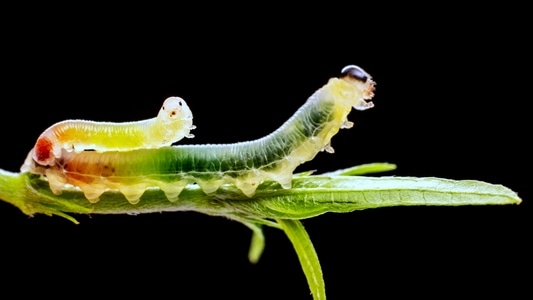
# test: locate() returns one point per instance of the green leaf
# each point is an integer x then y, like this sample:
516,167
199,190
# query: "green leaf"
315,195
301,242
363,169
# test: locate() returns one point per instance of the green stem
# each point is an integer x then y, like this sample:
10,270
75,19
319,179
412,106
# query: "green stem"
306,254
309,196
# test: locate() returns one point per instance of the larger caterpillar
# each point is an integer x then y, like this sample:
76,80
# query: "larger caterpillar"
173,123
244,164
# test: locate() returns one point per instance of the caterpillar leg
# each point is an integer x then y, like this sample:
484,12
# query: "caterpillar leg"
347,125
328,148
190,135
173,190
362,105
209,187
93,195
133,193
56,181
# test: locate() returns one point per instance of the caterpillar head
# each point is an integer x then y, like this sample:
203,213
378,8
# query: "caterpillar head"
176,118
357,76
175,109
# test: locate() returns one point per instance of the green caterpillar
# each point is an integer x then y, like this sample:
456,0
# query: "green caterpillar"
244,164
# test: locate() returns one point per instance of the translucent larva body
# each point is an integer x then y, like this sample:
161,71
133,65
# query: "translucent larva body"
173,123
245,164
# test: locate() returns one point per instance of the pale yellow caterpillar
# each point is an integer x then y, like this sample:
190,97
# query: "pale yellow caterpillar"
173,123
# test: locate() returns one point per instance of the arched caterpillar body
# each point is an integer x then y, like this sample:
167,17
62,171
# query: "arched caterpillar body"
173,123
244,164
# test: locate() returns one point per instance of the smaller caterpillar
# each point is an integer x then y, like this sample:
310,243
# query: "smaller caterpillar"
172,124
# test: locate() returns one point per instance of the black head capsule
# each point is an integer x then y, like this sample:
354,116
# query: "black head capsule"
355,72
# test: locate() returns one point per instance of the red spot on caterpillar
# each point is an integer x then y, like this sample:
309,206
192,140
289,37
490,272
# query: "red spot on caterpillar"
43,149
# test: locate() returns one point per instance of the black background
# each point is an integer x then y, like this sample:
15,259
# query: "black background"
447,105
